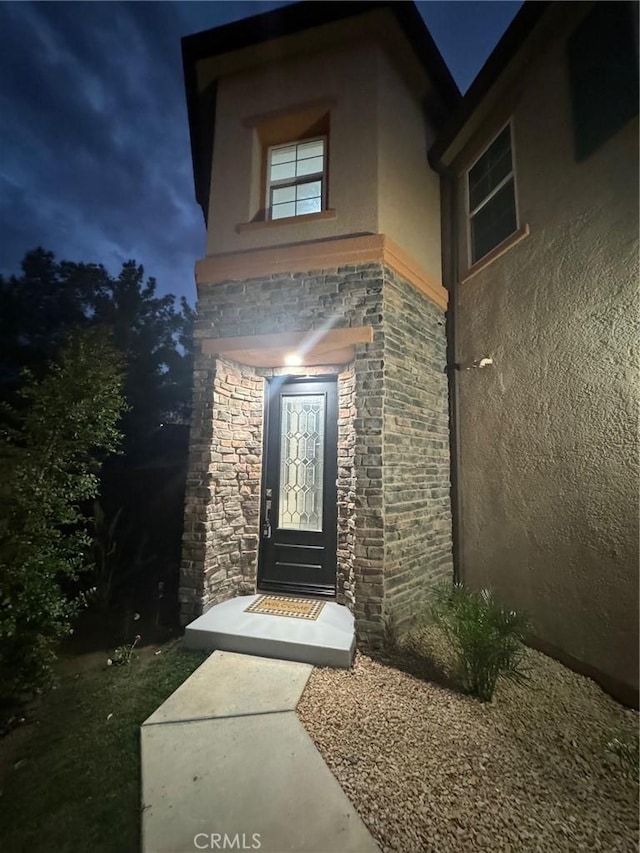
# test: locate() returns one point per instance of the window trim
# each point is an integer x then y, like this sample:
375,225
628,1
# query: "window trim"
512,174
495,253
292,182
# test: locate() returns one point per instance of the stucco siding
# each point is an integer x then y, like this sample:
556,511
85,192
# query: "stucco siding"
348,79
548,434
409,190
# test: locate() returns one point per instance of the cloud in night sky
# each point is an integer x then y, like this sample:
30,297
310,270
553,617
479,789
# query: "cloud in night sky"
94,145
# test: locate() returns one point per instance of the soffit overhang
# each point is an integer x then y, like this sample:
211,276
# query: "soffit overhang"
311,348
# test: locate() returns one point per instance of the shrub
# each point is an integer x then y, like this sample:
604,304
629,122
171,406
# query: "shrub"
50,454
486,638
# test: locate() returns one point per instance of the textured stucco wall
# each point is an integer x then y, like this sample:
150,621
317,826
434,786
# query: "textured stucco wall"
549,456
348,78
379,179
409,190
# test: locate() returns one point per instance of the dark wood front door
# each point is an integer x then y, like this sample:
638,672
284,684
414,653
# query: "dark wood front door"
298,520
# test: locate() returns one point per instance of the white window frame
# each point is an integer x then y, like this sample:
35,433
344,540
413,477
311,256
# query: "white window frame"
512,174
292,182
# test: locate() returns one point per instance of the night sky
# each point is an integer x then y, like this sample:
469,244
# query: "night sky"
94,146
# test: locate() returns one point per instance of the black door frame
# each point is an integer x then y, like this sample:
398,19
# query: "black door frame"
270,460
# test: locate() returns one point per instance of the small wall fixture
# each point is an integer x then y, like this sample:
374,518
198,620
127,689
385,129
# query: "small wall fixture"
483,362
472,365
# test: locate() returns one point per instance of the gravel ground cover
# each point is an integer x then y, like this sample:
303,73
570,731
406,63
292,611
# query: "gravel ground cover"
429,769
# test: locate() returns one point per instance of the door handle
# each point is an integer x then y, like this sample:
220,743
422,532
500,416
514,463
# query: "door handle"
266,526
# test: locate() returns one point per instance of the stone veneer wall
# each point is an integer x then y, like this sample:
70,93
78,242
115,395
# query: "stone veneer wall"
197,556
220,539
369,524
417,508
236,471
346,487
383,562
346,296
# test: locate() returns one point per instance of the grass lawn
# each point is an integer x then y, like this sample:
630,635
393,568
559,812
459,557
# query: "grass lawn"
77,784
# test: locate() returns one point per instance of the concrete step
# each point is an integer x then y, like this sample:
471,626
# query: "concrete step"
328,640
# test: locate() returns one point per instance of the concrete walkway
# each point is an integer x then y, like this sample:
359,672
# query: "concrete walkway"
226,764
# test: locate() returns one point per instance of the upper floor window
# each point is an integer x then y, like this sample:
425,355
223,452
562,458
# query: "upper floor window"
492,197
296,178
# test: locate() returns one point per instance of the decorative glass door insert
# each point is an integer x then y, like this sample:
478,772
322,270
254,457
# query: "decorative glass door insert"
302,426
299,514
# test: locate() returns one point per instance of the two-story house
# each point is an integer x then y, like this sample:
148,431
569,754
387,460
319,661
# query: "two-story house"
416,318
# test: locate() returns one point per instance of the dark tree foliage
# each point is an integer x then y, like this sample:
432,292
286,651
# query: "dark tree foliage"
156,342
39,307
143,486
51,450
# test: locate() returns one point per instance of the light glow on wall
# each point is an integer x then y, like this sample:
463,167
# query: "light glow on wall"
293,360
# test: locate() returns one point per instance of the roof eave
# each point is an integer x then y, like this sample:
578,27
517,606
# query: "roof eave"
511,42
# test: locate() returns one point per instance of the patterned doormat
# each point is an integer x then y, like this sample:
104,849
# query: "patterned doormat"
280,605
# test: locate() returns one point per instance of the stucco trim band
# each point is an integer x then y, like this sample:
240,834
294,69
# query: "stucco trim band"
331,346
319,255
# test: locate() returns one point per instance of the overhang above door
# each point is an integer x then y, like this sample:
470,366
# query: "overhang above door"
320,346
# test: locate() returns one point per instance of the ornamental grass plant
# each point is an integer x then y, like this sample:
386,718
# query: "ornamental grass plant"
486,637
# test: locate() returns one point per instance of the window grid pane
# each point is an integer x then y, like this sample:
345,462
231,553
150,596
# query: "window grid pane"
312,189
281,194
308,205
281,211
286,154
288,164
310,166
492,201
494,222
494,165
486,182
314,148
296,200
304,158
283,171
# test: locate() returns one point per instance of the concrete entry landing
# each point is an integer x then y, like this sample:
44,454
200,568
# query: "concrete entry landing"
327,641
226,755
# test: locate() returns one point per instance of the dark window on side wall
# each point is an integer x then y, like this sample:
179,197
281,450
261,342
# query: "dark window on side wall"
492,197
603,73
